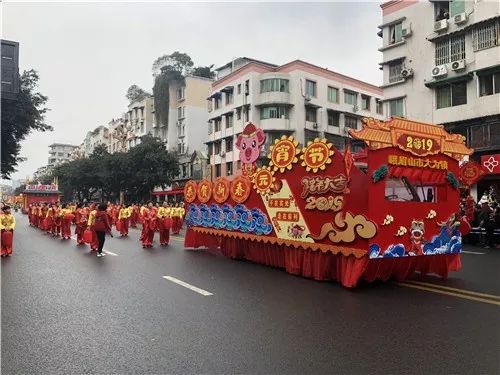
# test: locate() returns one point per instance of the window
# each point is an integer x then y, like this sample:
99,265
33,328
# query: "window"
395,71
457,7
451,95
486,35
180,112
180,148
350,97
274,84
396,107
311,114
209,105
273,112
449,50
229,97
217,147
217,170
180,93
350,122
247,87
217,124
229,121
379,106
238,114
333,118
489,84
442,10
365,102
310,88
483,136
239,89
217,102
395,33
402,190
210,149
246,113
333,94
229,168
238,164
229,144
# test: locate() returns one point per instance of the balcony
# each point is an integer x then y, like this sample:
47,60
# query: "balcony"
273,97
275,124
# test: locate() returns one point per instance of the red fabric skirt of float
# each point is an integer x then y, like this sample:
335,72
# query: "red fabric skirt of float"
318,265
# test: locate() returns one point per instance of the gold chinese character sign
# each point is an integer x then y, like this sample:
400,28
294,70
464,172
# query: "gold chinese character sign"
221,190
240,189
190,191
316,155
263,180
204,191
284,153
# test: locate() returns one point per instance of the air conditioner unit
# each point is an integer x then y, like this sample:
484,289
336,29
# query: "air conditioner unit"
307,97
222,154
406,32
407,73
355,108
315,125
439,71
458,65
460,18
441,25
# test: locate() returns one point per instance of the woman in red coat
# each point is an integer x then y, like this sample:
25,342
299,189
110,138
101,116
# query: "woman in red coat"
101,225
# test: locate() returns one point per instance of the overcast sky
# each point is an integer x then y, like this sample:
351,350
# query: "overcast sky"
88,54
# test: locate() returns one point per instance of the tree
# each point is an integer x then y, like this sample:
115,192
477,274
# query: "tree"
203,71
19,118
166,70
152,166
135,93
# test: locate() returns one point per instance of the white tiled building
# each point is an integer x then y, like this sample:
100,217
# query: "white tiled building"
99,135
297,98
441,64
60,153
139,119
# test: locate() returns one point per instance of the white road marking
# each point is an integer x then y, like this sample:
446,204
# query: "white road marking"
189,286
472,252
104,250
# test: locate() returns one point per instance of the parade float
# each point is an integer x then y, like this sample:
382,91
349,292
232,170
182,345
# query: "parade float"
384,213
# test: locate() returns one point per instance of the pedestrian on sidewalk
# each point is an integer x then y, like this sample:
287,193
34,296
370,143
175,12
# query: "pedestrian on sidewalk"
486,222
7,225
101,226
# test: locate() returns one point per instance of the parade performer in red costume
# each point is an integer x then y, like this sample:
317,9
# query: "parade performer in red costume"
67,217
164,223
90,225
57,220
81,223
148,227
7,225
123,218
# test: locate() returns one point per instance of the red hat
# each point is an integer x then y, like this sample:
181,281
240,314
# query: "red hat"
249,130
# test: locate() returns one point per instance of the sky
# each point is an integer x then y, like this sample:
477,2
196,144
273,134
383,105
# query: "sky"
88,54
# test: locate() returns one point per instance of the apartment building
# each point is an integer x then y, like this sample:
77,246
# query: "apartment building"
441,64
139,120
297,98
60,153
10,69
98,136
185,131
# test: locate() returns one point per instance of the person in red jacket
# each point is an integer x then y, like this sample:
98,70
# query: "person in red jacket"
101,226
148,224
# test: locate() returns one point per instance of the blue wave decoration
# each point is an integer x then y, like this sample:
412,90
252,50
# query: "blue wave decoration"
238,218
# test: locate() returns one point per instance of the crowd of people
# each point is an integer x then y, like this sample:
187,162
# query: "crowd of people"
483,215
93,221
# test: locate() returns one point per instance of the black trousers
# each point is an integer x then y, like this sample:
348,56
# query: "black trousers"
101,237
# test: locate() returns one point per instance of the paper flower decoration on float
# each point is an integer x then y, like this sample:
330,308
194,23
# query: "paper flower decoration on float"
316,155
401,231
388,220
264,180
283,154
431,215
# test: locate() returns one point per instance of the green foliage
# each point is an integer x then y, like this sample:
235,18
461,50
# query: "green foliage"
203,71
380,173
104,175
452,180
19,118
161,92
135,93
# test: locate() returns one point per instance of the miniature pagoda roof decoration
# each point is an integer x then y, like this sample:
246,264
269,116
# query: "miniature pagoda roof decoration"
418,138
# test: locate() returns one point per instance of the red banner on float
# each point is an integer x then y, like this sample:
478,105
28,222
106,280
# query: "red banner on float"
491,163
470,172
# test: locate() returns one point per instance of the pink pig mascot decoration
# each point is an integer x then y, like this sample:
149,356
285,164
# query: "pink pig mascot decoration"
249,143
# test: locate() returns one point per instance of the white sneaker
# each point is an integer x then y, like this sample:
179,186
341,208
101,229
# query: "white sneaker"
99,254
103,254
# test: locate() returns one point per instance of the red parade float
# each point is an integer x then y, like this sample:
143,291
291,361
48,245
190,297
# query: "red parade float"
318,213
37,193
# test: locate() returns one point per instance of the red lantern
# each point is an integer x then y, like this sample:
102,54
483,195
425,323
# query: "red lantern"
87,236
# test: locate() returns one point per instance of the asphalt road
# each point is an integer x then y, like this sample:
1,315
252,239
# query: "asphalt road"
65,311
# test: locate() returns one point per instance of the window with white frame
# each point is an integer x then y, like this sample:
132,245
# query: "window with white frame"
239,89
333,94
395,69
311,114
229,120
333,118
217,147
275,111
486,35
489,84
350,97
396,107
217,102
229,97
180,112
274,85
238,113
350,122
310,88
450,49
379,106
451,94
229,144
365,102
229,168
396,33
180,93
217,170
217,124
